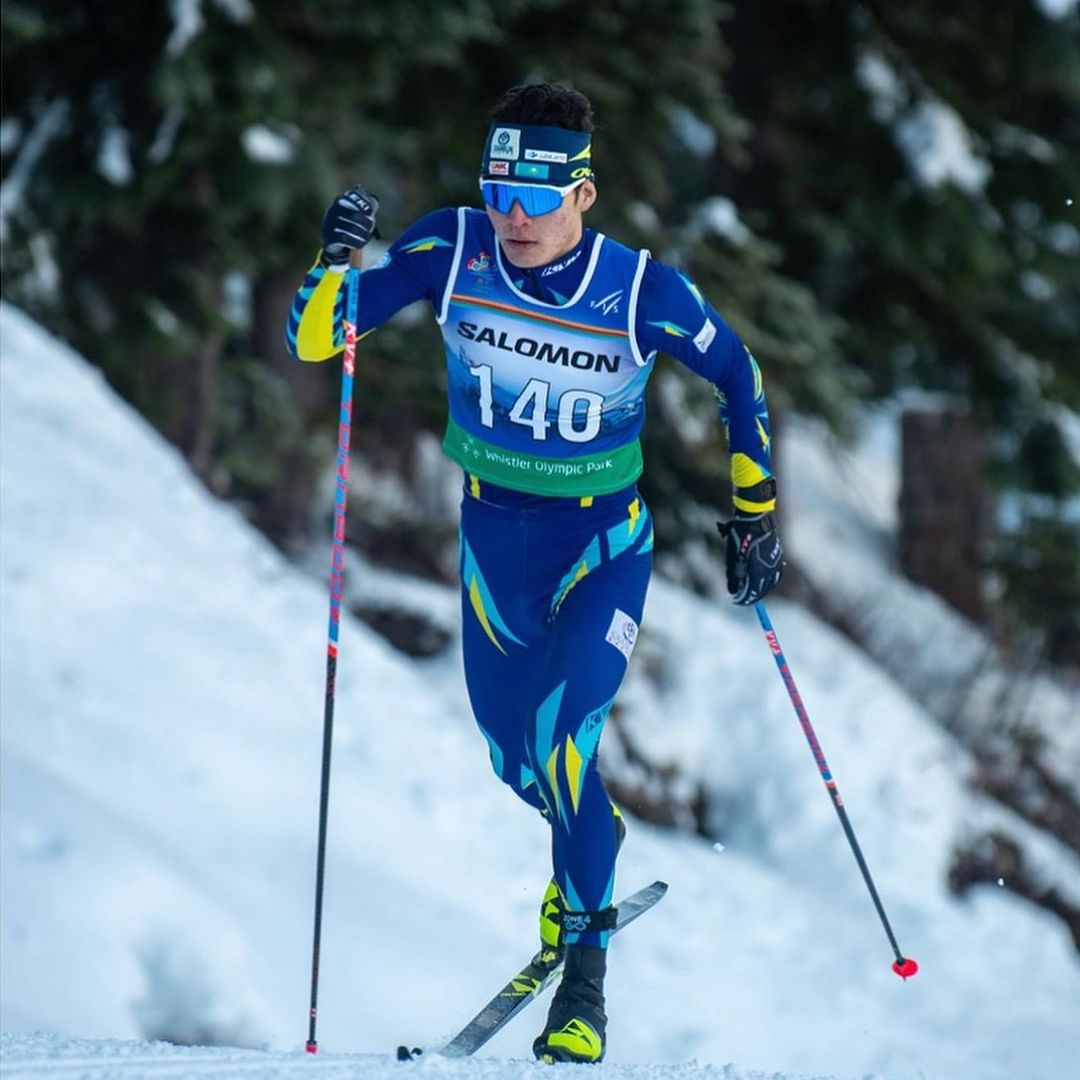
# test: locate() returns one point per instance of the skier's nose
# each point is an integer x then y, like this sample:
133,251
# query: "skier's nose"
517,216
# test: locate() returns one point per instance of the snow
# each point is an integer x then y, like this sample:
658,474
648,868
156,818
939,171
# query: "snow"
44,281
114,156
696,135
50,123
939,148
643,216
37,1055
1068,423
878,77
715,216
718,215
165,136
1064,238
931,135
1056,9
11,134
269,147
239,11
187,20
163,675
1009,138
1037,287
236,300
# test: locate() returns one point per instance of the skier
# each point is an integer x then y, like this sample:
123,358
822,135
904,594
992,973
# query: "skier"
551,332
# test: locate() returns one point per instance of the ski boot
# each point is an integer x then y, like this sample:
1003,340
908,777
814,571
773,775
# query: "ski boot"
576,1028
553,907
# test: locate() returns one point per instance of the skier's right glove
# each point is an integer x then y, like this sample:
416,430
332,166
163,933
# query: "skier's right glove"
755,559
349,222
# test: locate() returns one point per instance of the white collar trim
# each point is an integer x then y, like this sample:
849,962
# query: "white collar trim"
585,279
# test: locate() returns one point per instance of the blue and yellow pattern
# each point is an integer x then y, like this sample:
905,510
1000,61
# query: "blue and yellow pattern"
694,291
626,533
315,329
546,749
542,691
425,243
585,562
670,328
481,600
584,747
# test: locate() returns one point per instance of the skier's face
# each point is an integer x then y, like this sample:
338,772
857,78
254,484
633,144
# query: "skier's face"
536,241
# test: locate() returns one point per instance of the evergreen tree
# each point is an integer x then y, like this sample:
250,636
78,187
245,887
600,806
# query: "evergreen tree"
172,178
180,194
918,168
164,182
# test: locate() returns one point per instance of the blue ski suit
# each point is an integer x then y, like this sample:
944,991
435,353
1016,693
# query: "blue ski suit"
547,370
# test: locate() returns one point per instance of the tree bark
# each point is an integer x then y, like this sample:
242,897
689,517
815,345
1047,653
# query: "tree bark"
271,300
943,506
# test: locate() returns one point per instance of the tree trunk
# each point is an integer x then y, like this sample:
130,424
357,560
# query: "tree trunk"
200,442
271,300
943,506
285,512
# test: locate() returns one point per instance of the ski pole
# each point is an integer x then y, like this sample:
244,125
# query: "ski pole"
337,571
904,966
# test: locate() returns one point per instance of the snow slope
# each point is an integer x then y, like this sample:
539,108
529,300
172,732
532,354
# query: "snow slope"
34,1056
161,708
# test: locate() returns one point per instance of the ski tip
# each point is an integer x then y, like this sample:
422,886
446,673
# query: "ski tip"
662,886
905,967
405,1054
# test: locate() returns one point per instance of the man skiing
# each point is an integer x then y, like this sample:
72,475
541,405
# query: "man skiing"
551,332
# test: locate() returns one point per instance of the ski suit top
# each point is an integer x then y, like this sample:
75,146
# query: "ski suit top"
548,366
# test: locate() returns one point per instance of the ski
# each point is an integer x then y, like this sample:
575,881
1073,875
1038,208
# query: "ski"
530,982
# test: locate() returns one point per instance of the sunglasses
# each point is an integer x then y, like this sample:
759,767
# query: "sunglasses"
535,199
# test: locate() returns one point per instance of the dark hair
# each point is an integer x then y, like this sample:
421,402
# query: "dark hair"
547,104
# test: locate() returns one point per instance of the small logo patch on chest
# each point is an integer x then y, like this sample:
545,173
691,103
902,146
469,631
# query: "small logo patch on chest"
609,304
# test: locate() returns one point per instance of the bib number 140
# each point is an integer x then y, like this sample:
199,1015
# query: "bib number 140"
578,415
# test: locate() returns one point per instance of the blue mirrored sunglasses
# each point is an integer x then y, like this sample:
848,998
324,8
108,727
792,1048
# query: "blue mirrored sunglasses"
535,199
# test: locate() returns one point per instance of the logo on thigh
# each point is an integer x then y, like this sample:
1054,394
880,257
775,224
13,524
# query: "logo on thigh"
622,633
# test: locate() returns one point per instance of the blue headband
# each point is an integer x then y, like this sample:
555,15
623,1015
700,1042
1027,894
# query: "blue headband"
546,155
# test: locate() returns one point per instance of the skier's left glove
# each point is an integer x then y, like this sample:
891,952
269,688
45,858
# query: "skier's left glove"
755,559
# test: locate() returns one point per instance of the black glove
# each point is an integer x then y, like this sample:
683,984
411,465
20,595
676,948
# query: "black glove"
755,559
349,222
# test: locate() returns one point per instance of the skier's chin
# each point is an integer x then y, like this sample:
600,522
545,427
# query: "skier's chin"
523,253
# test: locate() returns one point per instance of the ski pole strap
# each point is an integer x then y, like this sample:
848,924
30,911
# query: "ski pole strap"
581,922
758,498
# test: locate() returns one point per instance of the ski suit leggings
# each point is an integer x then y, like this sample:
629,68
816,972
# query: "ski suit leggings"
552,596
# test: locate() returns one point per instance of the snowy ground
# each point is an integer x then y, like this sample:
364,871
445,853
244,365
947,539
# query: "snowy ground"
161,710
35,1056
